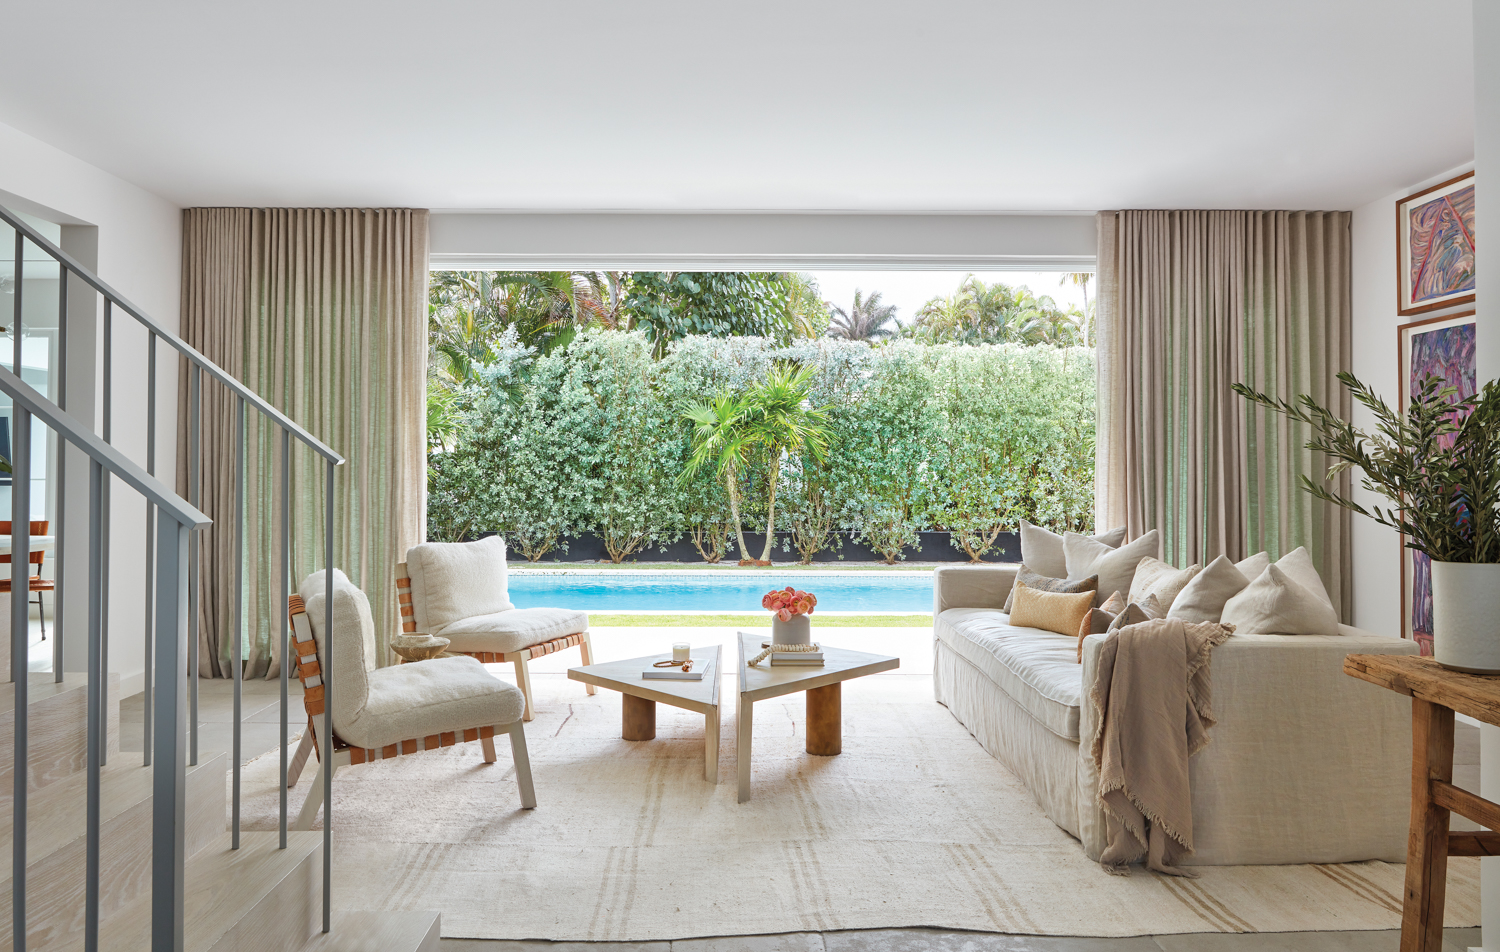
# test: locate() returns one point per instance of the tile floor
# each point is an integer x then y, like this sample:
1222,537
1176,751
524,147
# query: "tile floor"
260,703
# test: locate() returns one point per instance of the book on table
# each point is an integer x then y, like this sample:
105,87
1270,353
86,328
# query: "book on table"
700,668
810,659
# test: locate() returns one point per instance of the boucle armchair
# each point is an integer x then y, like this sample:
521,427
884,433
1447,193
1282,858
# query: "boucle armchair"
459,590
387,712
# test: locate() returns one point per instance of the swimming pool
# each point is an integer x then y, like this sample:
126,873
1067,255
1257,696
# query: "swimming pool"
705,590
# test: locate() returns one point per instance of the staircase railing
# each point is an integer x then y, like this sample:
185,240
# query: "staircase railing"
172,549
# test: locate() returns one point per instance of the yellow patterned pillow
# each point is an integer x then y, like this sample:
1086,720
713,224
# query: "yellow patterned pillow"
1061,612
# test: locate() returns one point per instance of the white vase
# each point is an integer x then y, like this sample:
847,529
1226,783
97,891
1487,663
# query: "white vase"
798,631
1466,616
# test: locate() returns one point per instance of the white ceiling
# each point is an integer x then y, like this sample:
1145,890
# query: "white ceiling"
857,105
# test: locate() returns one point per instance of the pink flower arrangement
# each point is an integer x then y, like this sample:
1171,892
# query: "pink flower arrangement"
787,602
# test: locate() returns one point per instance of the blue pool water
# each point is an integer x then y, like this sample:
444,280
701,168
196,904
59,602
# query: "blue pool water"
702,591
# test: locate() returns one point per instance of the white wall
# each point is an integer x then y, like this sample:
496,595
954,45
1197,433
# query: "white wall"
132,239
1377,566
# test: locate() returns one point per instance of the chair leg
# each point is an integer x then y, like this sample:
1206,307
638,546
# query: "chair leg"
523,681
488,743
299,759
41,615
586,652
523,765
309,811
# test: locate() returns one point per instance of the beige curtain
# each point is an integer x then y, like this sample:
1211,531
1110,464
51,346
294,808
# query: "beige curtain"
322,312
1191,302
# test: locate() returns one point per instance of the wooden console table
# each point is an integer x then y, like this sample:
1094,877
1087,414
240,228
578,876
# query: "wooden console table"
1436,693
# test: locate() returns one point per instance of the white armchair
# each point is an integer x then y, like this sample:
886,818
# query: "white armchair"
387,712
459,590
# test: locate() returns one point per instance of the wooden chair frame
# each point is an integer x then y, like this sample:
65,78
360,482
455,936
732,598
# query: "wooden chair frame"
310,672
518,658
36,557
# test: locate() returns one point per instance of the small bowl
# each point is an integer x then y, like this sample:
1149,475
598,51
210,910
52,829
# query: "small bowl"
418,645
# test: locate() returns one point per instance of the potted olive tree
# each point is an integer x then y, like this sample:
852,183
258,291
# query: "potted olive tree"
1438,468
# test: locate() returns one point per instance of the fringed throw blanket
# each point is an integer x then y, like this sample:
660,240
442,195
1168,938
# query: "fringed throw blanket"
1153,709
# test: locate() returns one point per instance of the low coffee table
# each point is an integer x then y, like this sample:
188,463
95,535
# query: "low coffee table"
641,697
825,730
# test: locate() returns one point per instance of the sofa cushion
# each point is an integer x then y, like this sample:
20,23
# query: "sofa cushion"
1060,612
1115,567
432,697
1034,668
501,632
1162,579
1043,583
1203,598
1276,604
1042,549
453,580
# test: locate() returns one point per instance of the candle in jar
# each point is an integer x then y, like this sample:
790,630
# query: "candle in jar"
681,652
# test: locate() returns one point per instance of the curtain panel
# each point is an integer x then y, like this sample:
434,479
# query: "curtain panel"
1191,302
323,313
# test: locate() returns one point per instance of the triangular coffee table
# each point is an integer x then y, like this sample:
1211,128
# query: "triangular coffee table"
642,696
824,695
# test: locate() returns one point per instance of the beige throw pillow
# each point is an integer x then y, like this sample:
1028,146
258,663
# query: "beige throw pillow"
1042,549
1162,579
1275,604
1115,567
1252,567
1202,599
1025,576
1114,604
1062,612
1298,566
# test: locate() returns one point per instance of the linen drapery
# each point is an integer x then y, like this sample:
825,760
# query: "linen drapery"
322,312
1191,302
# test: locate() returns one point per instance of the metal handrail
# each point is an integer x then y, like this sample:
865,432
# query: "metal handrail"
181,346
65,425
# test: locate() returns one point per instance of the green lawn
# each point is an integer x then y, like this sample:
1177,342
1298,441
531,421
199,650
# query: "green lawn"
599,620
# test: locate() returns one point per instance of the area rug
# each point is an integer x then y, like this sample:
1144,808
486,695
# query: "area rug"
912,825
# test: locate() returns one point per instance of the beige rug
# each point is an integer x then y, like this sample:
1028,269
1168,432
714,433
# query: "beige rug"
913,825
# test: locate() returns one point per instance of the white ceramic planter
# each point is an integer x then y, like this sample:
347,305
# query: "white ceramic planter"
1466,616
798,631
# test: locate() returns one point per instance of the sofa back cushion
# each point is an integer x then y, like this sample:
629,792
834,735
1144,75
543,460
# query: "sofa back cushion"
1060,612
451,581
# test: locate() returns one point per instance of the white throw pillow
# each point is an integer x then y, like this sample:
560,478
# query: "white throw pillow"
1275,604
451,581
1162,579
1115,567
1298,566
1042,549
1254,567
1203,598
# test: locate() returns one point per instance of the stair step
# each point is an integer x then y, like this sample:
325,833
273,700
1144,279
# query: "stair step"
388,931
56,841
56,729
255,899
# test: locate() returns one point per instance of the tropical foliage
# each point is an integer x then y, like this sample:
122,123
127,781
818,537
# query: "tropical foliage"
879,442
867,318
980,313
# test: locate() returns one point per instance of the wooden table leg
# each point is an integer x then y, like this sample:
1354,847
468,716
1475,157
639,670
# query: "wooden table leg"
639,717
742,730
1427,839
825,726
711,746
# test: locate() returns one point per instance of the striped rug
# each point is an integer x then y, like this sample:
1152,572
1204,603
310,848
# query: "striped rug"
912,825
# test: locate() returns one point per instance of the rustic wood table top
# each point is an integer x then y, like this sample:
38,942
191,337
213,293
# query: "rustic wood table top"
1476,695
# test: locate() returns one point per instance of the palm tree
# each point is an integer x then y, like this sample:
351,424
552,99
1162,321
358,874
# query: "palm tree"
865,320
1080,279
780,421
720,435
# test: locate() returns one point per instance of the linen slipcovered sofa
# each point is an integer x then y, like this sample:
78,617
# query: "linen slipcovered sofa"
1305,765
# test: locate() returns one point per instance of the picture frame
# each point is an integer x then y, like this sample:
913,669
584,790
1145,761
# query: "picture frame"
1442,345
1435,247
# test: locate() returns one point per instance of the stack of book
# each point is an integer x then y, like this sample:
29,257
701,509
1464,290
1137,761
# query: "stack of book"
700,667
810,659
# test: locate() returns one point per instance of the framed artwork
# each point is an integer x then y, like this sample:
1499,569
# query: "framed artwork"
1443,346
1435,247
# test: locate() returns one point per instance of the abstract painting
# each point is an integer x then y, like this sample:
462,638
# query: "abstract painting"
1443,346
1435,246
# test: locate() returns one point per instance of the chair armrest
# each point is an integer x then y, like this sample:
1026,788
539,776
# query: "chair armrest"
971,586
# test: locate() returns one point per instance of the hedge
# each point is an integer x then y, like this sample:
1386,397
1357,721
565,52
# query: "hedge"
590,438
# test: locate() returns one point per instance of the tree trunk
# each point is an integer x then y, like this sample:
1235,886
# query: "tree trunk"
771,509
730,483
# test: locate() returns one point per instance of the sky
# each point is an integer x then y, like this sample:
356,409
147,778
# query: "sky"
909,290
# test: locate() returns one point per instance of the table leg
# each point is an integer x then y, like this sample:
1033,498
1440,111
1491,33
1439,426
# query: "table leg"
1427,839
711,746
742,746
825,728
639,717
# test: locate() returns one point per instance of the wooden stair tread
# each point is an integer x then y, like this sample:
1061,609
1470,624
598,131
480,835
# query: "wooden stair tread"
223,888
385,931
60,815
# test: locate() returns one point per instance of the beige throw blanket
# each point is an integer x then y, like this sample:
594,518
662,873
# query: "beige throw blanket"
1152,703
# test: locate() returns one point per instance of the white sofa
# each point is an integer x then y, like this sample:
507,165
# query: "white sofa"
1306,764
